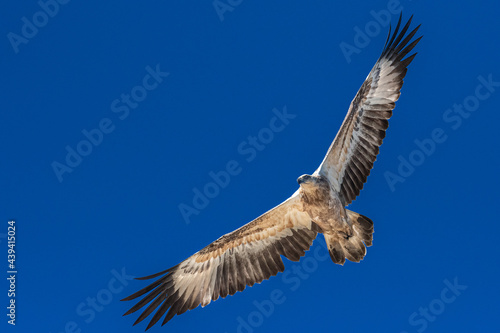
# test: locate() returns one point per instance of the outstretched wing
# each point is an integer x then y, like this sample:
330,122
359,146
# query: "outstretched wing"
243,257
354,150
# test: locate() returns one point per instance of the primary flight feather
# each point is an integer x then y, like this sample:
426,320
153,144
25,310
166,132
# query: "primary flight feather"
253,252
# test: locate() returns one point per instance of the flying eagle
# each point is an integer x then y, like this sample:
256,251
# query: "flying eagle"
253,252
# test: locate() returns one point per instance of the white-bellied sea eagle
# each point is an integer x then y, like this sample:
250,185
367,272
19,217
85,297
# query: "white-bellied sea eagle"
253,252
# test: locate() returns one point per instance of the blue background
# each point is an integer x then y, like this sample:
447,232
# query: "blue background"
118,210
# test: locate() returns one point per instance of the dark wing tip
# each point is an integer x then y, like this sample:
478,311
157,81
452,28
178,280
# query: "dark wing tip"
128,298
151,286
151,324
396,42
152,276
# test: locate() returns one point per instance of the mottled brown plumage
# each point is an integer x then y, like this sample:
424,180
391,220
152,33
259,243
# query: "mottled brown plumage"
254,252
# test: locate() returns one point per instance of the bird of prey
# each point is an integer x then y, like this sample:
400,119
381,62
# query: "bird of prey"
253,252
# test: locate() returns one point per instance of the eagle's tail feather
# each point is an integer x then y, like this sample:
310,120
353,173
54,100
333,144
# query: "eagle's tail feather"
351,247
362,225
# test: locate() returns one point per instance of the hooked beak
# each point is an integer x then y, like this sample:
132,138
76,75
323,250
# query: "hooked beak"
304,179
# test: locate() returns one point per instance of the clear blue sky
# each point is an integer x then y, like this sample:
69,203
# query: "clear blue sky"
86,224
